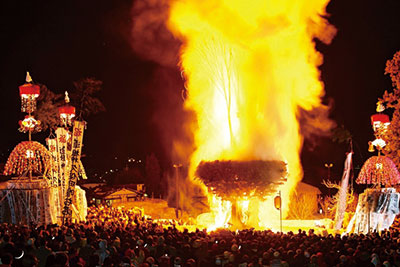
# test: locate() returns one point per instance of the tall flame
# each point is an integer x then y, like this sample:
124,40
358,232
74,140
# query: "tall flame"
249,67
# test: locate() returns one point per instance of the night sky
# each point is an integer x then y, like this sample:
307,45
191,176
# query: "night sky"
60,42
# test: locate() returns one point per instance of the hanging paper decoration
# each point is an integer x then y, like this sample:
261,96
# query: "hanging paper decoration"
11,201
52,145
28,156
29,92
62,140
67,113
56,205
379,170
80,203
379,120
40,201
375,211
82,172
32,202
77,137
29,124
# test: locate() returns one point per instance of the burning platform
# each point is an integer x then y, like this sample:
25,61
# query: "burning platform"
241,182
232,179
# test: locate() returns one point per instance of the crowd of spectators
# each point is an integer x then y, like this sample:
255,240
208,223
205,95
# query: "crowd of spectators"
120,237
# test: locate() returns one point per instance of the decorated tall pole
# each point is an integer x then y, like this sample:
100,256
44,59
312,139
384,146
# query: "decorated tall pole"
377,207
29,92
77,137
69,146
379,170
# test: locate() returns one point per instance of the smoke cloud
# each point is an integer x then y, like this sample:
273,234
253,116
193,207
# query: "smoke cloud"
169,116
262,67
150,38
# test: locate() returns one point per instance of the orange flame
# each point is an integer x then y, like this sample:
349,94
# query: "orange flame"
249,68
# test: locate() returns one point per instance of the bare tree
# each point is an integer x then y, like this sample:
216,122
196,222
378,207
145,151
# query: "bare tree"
327,204
47,112
302,206
83,97
330,203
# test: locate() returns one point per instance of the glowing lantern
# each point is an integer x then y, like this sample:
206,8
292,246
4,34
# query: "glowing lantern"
29,92
67,112
29,124
380,123
370,147
380,120
278,202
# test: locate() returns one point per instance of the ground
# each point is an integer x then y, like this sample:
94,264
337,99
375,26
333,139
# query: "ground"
158,209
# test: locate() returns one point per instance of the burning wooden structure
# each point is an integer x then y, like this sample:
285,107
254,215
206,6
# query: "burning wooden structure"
236,180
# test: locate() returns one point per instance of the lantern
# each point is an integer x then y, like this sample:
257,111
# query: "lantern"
29,124
370,147
29,92
66,112
278,202
380,121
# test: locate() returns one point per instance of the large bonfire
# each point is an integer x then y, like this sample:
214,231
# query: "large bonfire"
250,67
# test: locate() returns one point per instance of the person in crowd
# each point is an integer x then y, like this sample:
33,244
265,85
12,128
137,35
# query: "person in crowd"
124,237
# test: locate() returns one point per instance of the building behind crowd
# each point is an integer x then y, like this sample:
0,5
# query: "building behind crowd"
113,195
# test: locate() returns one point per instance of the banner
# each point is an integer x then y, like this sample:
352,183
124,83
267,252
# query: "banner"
62,137
68,153
76,146
57,205
82,171
52,145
